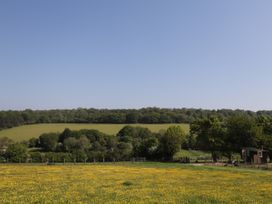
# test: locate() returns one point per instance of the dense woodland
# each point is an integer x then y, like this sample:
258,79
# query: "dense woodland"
92,145
211,134
10,119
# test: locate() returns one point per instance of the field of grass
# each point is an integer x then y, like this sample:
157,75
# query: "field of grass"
192,154
26,132
133,183
201,156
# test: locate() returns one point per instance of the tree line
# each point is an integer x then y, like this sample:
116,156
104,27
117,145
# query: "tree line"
220,138
10,118
93,145
231,135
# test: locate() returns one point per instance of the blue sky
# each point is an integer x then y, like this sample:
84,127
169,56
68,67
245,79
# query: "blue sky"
131,54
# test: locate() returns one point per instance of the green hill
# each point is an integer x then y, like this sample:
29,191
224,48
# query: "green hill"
26,132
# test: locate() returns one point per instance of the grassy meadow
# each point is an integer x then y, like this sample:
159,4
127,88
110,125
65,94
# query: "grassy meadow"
193,154
26,132
133,183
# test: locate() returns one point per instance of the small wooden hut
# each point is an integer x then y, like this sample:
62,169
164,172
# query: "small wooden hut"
253,155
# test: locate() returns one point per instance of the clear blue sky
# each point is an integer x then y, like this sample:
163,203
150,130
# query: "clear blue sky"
135,53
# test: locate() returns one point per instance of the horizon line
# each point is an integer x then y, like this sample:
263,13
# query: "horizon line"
139,108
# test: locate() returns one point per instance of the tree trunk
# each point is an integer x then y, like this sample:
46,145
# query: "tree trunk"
214,157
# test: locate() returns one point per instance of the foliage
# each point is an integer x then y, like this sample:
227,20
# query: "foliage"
242,132
49,141
33,142
16,153
10,119
123,151
36,157
209,135
5,142
171,141
26,132
195,155
143,141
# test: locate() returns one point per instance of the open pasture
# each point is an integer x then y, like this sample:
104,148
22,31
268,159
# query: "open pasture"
26,132
133,183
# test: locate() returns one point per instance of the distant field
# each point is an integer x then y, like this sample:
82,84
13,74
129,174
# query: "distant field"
192,154
26,132
201,156
133,183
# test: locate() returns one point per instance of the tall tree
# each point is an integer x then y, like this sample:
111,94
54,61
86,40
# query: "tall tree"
242,131
171,141
209,135
49,141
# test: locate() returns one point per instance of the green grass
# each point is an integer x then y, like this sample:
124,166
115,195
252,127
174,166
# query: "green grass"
201,156
193,154
26,132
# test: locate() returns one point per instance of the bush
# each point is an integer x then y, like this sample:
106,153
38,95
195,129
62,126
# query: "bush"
79,156
35,157
58,157
2,159
127,183
16,153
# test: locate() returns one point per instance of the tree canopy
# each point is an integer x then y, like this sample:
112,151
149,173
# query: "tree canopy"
10,119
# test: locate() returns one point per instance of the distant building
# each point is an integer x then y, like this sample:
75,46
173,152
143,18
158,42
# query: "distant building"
252,155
